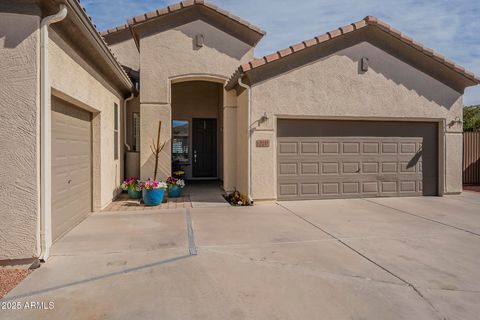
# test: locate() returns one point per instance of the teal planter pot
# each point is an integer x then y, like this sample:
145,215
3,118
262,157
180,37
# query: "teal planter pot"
134,194
174,191
153,197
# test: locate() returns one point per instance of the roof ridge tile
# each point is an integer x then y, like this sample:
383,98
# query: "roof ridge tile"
181,5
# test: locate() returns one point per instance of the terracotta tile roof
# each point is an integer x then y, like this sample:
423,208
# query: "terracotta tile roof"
367,21
105,45
179,6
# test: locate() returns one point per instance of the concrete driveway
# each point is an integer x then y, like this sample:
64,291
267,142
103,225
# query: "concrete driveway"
408,258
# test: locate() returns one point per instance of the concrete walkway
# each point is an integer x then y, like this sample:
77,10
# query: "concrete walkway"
408,258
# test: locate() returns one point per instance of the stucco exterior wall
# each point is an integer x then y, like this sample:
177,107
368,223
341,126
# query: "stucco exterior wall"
229,140
242,143
124,48
333,87
19,139
72,78
169,55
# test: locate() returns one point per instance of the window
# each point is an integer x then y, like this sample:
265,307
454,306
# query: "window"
180,141
136,131
115,131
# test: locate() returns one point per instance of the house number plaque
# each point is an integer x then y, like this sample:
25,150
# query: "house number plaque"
262,143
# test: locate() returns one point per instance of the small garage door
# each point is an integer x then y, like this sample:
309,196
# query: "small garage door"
319,159
71,166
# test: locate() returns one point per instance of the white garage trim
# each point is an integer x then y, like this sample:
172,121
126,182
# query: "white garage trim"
45,136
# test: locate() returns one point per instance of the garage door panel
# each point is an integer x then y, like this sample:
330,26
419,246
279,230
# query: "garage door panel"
71,166
370,187
330,148
288,189
309,189
351,148
309,148
288,148
359,166
309,168
331,168
351,167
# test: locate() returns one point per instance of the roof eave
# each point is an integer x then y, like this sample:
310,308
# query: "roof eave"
174,8
86,23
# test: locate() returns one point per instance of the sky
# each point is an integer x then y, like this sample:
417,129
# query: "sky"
450,27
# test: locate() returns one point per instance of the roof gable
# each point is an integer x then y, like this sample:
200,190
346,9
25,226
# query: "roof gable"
367,22
250,33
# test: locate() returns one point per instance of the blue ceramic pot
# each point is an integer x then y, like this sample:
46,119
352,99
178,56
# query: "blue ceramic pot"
152,197
134,194
174,191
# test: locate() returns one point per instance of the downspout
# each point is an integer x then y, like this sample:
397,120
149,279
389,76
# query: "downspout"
125,121
45,136
249,139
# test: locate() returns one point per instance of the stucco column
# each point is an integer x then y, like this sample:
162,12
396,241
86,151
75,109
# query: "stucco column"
453,155
229,147
264,176
19,136
150,116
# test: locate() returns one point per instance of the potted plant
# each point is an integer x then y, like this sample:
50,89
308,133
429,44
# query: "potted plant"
152,192
131,185
179,174
175,187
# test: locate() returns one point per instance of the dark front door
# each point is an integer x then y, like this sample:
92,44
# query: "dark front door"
204,148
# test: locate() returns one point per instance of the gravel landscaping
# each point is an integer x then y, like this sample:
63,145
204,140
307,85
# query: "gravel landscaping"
9,278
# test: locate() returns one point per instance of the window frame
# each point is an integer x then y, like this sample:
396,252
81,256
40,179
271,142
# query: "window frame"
135,137
116,137
185,136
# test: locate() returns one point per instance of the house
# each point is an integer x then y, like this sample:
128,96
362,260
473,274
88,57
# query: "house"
360,111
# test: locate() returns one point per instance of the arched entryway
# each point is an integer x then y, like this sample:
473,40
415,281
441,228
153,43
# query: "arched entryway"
197,122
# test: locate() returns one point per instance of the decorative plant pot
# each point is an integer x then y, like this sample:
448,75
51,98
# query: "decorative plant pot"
152,197
134,194
174,191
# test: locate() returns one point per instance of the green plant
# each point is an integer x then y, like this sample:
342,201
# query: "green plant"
471,118
130,183
237,199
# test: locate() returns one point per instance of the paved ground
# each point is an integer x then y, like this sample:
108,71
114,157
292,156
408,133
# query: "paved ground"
408,258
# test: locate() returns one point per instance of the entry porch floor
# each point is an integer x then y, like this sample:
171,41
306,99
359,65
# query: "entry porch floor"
195,194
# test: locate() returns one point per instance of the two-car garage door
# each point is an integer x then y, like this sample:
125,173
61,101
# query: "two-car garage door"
71,166
319,159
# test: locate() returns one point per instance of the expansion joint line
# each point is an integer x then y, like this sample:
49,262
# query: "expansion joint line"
424,218
192,248
368,259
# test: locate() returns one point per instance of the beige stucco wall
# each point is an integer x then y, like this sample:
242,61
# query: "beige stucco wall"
19,139
333,87
229,140
124,48
169,55
72,78
242,144
150,116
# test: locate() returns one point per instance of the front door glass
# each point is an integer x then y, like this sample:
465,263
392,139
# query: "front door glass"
180,150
